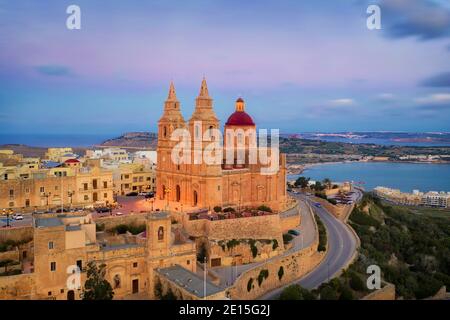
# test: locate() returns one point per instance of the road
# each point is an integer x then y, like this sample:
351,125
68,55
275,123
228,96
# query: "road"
342,245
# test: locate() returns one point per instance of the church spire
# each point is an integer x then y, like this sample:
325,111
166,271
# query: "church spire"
204,89
172,95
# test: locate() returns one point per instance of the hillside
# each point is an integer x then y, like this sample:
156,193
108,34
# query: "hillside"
145,140
411,246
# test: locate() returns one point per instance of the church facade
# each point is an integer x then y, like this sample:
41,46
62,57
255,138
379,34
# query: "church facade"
236,181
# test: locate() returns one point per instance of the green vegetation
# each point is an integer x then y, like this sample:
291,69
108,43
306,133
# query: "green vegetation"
250,284
229,209
96,286
296,292
322,234
280,273
287,238
411,247
264,208
263,274
124,228
8,263
302,182
217,209
232,243
275,244
253,248
11,244
202,252
99,227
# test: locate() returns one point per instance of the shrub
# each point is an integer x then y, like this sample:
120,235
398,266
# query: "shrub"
328,293
332,201
229,209
217,209
253,248
280,273
287,238
275,244
296,292
264,208
356,282
346,293
250,284
232,243
322,235
263,274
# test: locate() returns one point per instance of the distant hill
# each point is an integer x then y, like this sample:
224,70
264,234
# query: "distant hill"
145,140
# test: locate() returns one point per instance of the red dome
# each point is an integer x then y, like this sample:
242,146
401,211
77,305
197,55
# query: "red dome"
240,118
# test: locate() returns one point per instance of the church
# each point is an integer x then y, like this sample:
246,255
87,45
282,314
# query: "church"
239,183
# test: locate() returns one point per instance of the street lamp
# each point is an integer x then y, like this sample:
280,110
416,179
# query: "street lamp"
70,194
47,195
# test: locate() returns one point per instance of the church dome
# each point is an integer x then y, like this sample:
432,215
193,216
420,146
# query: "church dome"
240,118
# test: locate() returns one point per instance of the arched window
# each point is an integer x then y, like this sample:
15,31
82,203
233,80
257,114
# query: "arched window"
161,234
165,132
178,193
195,198
116,281
163,193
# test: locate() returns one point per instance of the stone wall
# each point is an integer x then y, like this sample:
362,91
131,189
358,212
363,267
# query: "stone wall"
10,255
111,222
19,287
340,211
16,234
385,293
260,227
294,266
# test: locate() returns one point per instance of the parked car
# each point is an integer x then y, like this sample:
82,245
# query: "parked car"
149,195
294,232
17,216
119,213
132,194
102,209
318,205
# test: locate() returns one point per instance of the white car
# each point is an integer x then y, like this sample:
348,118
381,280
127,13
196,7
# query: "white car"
17,216
119,213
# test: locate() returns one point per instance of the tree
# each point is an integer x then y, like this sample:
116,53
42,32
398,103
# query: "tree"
96,286
356,283
217,209
6,263
328,293
302,182
296,292
327,183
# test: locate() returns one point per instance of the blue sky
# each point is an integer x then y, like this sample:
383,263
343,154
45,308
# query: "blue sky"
300,65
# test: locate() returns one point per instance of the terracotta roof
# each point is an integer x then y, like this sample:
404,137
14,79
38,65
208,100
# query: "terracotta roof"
71,161
240,118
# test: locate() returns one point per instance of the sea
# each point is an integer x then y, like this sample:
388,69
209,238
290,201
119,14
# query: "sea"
403,176
55,140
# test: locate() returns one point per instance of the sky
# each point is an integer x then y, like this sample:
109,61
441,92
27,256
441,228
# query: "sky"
301,66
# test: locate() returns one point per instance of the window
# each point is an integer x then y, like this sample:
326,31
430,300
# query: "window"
135,264
49,293
105,184
56,188
86,198
27,190
105,195
11,193
27,203
50,245
80,264
85,186
188,262
161,233
11,204
52,266
62,290
164,132
42,189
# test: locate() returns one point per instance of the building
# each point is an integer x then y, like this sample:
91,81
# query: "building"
236,183
436,199
134,177
59,154
66,243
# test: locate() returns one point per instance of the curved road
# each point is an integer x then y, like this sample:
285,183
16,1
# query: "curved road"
342,245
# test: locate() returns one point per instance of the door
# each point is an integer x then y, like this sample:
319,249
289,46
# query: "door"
70,295
95,197
195,198
135,285
216,262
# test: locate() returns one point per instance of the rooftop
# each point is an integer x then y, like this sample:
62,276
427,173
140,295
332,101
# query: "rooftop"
189,281
48,222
